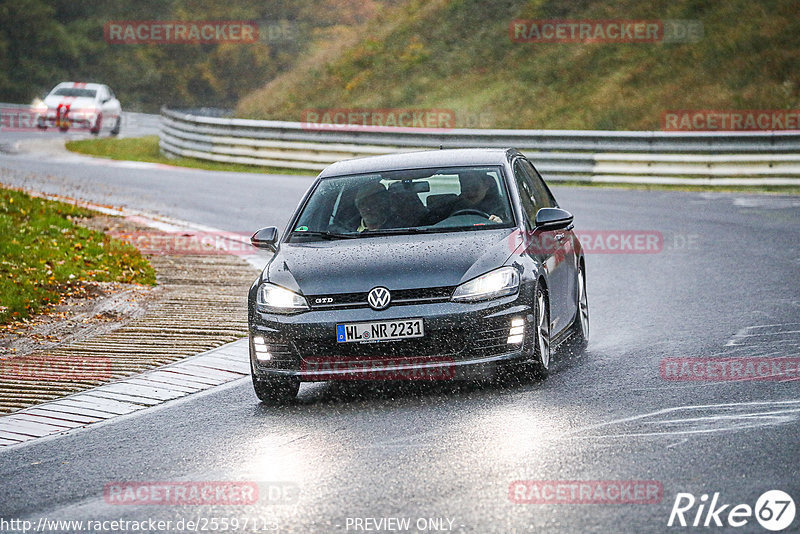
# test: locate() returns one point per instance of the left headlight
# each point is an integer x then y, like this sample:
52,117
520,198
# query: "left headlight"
276,299
38,106
494,284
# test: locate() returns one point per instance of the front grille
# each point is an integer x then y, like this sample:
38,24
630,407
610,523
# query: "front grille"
426,294
399,297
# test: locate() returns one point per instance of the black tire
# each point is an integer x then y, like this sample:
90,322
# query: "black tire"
539,364
63,129
579,336
97,125
276,390
117,125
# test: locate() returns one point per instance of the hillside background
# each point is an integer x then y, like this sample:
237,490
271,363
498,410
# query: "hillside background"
451,54
44,42
457,54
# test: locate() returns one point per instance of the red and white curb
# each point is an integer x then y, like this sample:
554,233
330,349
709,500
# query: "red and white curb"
191,375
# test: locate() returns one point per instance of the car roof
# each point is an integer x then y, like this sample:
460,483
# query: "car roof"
421,159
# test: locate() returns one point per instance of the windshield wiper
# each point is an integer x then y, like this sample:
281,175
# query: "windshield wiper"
326,235
393,231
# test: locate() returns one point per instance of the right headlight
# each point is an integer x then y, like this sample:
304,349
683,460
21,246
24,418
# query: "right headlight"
277,299
494,284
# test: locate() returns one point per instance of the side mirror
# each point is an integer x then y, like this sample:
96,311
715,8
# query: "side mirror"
553,218
266,238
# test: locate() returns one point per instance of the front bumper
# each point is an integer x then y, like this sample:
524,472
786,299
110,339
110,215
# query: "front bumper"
461,341
67,120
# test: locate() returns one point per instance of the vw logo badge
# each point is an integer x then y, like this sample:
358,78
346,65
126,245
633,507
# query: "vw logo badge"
379,298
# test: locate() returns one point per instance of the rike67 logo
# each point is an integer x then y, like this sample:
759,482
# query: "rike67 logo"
774,510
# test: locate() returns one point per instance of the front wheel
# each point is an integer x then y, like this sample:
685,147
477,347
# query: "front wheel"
540,364
580,327
276,390
97,125
117,125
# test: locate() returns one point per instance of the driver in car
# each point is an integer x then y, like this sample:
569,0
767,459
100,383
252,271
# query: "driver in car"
478,193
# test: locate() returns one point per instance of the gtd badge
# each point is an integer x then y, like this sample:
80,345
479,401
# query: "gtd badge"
379,298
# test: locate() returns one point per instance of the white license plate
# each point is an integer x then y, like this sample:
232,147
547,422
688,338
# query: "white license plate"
379,331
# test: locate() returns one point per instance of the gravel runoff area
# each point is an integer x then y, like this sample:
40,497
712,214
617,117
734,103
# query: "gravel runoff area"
199,303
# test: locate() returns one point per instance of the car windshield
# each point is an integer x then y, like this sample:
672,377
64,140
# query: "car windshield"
75,92
406,201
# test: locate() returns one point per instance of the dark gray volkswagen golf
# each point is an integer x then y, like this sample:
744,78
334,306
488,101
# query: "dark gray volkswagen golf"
427,265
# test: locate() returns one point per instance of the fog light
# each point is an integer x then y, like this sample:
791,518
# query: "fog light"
261,349
515,334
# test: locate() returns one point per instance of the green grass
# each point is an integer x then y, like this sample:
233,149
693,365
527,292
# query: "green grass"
146,149
44,255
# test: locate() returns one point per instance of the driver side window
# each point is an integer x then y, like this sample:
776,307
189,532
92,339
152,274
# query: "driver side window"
543,197
527,196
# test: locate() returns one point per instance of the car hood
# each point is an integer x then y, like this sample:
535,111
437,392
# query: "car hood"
396,262
74,102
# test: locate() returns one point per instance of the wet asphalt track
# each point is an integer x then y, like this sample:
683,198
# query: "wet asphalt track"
729,266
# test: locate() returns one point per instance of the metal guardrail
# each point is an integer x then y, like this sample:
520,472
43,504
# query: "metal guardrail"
717,158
